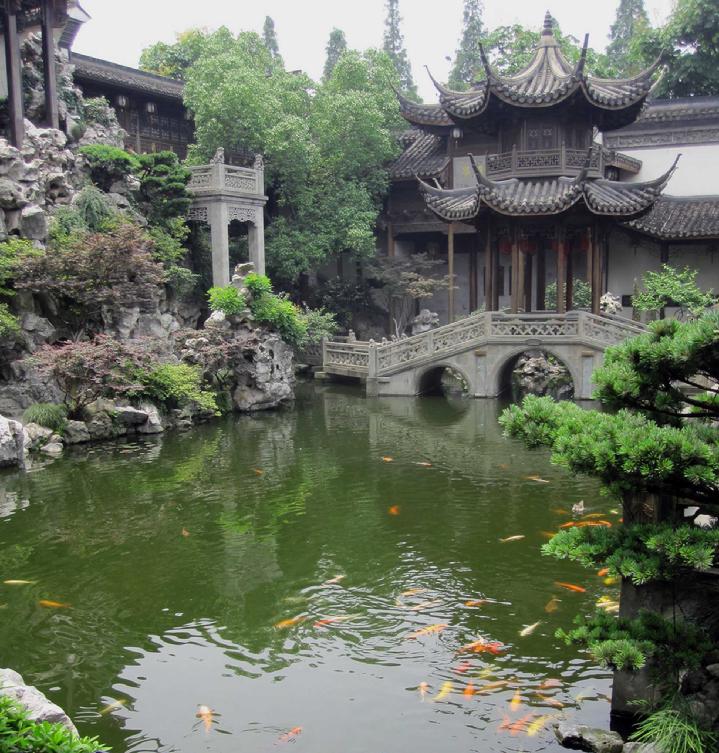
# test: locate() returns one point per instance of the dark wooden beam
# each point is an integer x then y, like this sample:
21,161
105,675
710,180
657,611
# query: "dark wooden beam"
52,116
664,259
473,304
517,282
13,68
527,267
561,271
450,272
597,245
541,276
569,283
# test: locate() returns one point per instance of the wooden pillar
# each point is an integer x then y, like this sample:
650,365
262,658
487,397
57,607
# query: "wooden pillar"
473,303
52,117
13,68
527,266
541,276
517,277
561,271
597,245
490,270
569,285
450,272
664,259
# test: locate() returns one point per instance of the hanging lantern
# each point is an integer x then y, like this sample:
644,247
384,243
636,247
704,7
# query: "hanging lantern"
505,246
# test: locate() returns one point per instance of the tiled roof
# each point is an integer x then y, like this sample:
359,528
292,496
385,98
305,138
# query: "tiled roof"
419,114
104,72
544,196
681,218
424,157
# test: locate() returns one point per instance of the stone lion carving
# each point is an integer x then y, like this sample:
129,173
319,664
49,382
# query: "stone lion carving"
219,157
424,321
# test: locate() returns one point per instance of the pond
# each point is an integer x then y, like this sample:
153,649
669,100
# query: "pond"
315,576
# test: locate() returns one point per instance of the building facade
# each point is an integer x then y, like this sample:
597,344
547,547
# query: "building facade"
529,183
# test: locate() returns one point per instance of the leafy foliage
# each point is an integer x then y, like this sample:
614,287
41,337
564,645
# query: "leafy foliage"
672,287
673,728
281,314
631,20
173,60
97,110
177,386
229,300
49,415
336,47
94,210
393,45
640,552
269,37
13,252
622,643
9,325
581,294
467,59
19,734
258,284
319,323
108,164
344,298
163,191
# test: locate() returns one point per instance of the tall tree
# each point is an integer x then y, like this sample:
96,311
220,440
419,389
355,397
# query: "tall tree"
467,59
269,36
631,20
336,45
173,60
394,47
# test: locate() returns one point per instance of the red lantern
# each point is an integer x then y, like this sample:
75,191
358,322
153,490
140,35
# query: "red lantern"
505,247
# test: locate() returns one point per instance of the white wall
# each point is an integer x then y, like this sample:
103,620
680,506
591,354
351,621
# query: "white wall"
697,173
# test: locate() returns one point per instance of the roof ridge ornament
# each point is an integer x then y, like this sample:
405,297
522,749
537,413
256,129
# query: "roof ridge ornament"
485,62
579,70
548,30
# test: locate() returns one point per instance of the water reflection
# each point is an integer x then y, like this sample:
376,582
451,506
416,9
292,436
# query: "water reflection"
287,519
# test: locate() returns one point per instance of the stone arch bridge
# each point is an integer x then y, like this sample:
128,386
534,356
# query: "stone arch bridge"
480,347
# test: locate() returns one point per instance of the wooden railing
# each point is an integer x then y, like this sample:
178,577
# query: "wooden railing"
371,359
561,161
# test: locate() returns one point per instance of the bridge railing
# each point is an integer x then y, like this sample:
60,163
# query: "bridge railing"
370,359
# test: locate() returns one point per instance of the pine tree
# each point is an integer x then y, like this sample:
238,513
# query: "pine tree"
468,61
336,45
269,36
631,19
394,47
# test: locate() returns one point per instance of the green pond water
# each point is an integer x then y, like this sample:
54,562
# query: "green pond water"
178,555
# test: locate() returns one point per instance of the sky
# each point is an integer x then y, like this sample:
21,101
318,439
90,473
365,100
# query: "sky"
120,29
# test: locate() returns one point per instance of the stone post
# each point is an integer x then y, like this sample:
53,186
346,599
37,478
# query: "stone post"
256,237
220,242
13,68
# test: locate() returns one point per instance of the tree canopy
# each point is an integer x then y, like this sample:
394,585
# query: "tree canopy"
326,144
336,45
269,36
395,49
467,59
173,60
631,19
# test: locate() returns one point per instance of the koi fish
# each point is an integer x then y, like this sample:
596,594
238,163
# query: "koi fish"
423,605
469,690
552,605
53,604
611,581
19,582
424,465
538,479
491,687
548,534
612,608
333,581
444,691
332,620
116,704
593,515
537,725
387,459
462,668
394,510
205,714
185,532
283,624
506,724
413,592
258,471
423,687
570,587
520,725
290,736
604,571
518,537
569,524
551,682
614,511
430,630
476,603
516,701
560,511
503,466
591,523
529,629
482,646
549,701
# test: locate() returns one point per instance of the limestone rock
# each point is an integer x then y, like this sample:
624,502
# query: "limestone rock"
14,443
38,435
52,448
153,425
640,748
11,196
130,416
38,330
76,432
37,706
581,737
33,223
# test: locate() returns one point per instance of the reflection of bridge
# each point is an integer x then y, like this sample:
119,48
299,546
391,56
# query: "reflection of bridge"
480,347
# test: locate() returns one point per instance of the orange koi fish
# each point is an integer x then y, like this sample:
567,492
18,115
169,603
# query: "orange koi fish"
332,620
469,690
283,624
394,510
423,687
549,701
551,682
491,687
570,587
289,737
568,524
387,459
476,602
258,471
552,605
53,604
536,478
593,515
604,571
506,724
590,523
518,537
548,534
422,464
462,667
482,646
205,714
185,532
520,725
444,691
430,630
516,701
413,592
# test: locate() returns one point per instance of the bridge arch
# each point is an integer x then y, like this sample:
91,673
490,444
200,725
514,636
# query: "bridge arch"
429,379
499,372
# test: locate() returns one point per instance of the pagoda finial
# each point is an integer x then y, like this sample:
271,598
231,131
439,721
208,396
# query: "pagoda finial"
548,30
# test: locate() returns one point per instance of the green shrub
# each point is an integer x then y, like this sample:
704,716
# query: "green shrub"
9,325
281,314
258,284
673,728
108,164
20,735
581,295
95,210
319,323
181,279
49,415
178,385
97,110
66,226
229,300
168,240
12,253
163,193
